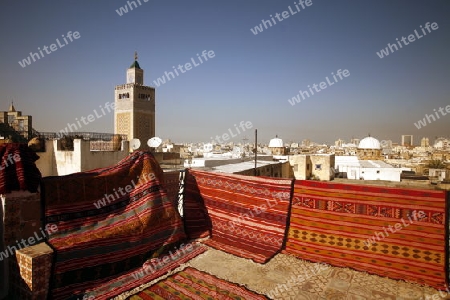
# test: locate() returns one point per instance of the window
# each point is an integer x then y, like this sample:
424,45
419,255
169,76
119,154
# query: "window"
318,166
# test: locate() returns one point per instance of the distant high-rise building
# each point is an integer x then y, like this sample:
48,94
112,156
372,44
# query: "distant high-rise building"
355,141
425,142
15,124
134,113
339,143
407,140
306,143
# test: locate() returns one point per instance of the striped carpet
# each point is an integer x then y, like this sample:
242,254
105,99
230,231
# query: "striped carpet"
393,232
248,215
151,270
110,221
193,284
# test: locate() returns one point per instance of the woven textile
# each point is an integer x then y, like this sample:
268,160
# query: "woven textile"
248,214
172,185
151,270
109,221
193,284
197,223
17,168
393,232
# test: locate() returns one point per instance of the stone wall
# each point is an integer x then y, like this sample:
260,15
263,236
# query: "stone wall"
312,166
54,162
21,219
323,166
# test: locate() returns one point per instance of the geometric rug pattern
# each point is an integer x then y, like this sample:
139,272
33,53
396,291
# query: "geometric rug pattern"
193,284
248,215
392,232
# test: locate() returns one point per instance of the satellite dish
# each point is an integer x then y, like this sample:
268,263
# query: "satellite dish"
154,142
135,144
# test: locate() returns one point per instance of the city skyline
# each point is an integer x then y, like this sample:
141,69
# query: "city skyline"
275,65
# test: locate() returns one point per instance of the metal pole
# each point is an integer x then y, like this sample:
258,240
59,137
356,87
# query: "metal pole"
256,149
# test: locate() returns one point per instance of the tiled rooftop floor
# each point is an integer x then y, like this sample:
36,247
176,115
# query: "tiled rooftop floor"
286,277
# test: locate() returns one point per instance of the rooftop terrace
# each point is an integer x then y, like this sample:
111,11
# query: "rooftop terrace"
259,237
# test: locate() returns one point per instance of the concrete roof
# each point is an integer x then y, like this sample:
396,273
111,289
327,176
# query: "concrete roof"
243,166
374,164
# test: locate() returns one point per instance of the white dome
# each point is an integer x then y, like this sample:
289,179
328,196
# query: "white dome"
276,143
369,143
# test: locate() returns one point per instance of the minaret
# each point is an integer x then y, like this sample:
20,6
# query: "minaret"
11,107
134,113
135,74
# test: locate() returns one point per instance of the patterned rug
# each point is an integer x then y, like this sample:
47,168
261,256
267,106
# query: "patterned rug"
248,214
151,270
17,168
193,284
109,221
197,223
393,232
172,185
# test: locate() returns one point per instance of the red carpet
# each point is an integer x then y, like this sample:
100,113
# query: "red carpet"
197,223
172,185
393,232
17,168
247,214
109,221
151,270
193,284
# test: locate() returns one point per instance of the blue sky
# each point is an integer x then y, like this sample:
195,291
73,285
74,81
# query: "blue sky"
251,76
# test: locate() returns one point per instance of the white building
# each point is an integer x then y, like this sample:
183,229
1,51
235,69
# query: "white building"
210,162
439,174
353,168
55,162
367,165
441,144
263,168
276,146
